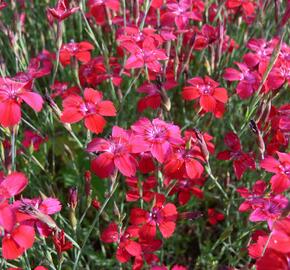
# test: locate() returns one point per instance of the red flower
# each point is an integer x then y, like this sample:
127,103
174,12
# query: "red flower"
211,97
12,94
184,163
92,109
127,247
214,216
61,243
281,180
144,191
116,154
157,137
100,8
186,188
147,56
16,241
32,139
61,89
279,74
3,4
252,197
154,96
248,6
62,10
249,80
80,51
162,216
242,160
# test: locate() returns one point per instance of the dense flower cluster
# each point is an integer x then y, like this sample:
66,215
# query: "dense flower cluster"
149,101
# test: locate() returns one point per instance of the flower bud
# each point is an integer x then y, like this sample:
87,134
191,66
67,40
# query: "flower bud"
73,197
73,201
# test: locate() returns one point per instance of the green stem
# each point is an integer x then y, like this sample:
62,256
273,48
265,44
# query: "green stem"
95,221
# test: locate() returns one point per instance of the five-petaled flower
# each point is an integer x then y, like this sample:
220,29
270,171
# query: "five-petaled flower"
92,109
211,97
12,94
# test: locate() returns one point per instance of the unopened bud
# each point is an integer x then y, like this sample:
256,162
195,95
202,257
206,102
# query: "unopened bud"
73,201
202,144
117,211
190,215
96,204
88,188
261,144
73,197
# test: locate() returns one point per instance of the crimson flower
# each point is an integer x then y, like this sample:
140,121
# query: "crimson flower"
145,191
12,94
92,109
242,160
117,153
62,10
252,197
157,136
61,243
154,95
279,74
17,240
249,80
32,139
100,8
17,237
148,247
281,180
80,51
162,215
127,247
61,89
185,188
214,216
148,55
180,13
3,4
211,97
184,162
248,6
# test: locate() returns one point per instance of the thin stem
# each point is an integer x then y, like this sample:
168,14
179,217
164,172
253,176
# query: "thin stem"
209,171
13,148
95,221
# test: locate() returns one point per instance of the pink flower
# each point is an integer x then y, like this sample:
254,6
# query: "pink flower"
181,12
157,136
91,109
148,55
249,80
12,94
211,97
116,153
62,10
